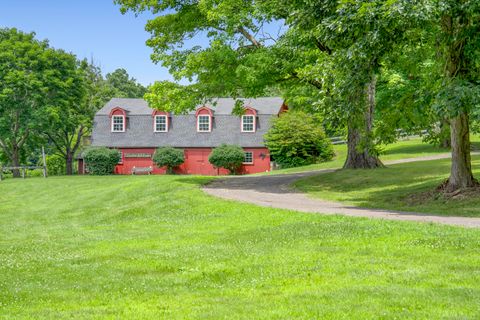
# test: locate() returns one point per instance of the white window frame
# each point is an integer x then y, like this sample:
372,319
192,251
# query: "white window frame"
253,124
123,123
209,123
155,123
245,153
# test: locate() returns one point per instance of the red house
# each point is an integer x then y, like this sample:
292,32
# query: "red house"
137,130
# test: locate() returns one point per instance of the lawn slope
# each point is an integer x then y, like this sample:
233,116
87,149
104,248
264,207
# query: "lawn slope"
156,247
398,187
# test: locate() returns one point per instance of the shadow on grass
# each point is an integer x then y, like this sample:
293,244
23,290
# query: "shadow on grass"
392,188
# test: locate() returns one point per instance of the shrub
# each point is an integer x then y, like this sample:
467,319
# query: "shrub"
168,157
296,139
229,157
55,165
101,161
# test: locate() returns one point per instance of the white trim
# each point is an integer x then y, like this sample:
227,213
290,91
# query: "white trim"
254,123
251,152
209,123
155,123
123,122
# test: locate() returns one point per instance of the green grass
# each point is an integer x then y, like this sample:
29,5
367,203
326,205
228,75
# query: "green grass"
156,247
404,149
394,188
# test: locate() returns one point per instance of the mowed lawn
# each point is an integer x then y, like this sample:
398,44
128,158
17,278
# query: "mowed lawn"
397,187
156,247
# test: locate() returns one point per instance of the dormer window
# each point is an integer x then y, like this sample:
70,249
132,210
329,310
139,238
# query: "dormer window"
204,124
204,119
248,123
161,123
249,120
118,119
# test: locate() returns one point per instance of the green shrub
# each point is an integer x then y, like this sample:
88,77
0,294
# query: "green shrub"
101,161
168,157
229,157
55,165
296,139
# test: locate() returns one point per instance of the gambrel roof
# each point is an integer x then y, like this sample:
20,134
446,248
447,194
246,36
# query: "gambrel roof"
182,131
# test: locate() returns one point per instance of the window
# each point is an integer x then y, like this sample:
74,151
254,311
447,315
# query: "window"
161,124
248,157
248,123
121,158
118,124
203,123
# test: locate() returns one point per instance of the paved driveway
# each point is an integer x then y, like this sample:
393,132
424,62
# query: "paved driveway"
275,191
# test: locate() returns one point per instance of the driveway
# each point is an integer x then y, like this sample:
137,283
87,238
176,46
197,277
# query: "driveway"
275,191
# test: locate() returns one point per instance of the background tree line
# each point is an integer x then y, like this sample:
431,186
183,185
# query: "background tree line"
49,97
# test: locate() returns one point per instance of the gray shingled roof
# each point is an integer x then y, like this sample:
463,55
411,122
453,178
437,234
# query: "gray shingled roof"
270,105
182,129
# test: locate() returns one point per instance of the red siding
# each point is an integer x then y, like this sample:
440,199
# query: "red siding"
196,162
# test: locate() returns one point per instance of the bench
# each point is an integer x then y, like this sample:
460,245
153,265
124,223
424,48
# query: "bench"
147,170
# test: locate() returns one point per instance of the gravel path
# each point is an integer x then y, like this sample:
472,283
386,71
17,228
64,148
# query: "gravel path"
275,191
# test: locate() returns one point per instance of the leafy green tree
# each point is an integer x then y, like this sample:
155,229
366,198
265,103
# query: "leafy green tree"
327,52
101,161
30,74
296,139
168,157
229,157
123,85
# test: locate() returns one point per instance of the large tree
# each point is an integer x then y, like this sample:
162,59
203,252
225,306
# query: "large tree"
246,57
458,37
29,77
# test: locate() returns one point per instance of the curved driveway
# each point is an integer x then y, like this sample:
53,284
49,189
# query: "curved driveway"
276,191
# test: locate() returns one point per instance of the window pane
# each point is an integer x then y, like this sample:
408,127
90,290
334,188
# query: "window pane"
248,123
203,123
118,123
248,157
160,123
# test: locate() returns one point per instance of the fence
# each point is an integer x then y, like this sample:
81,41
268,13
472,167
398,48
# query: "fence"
23,169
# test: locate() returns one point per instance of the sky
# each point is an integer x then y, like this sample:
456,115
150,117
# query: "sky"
88,28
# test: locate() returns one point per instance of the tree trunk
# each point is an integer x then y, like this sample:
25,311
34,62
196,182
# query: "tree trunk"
69,163
461,175
359,141
16,163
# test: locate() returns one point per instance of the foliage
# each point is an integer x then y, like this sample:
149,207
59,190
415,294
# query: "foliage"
168,157
229,157
29,75
296,139
123,86
125,234
55,165
101,161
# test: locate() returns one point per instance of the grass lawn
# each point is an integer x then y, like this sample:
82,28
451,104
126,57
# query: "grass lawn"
156,247
393,187
404,149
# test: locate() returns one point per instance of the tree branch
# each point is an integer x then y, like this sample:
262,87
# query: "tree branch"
249,37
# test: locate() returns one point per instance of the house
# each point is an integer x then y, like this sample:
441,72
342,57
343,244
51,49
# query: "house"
136,130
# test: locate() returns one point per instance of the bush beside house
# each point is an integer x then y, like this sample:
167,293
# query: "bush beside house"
296,139
168,157
101,161
229,157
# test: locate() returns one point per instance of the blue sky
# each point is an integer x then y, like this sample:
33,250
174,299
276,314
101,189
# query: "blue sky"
88,28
